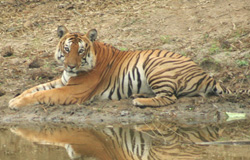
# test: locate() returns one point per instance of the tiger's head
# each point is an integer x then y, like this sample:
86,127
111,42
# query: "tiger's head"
75,50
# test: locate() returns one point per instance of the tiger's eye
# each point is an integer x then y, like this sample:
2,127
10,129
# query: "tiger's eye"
81,50
66,49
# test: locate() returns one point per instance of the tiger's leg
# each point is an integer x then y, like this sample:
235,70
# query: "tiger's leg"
63,95
46,86
164,95
155,101
162,82
50,85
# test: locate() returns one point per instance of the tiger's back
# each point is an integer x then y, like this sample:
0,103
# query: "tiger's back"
160,73
127,76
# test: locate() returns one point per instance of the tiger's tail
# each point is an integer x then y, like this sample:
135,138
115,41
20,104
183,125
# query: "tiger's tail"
219,89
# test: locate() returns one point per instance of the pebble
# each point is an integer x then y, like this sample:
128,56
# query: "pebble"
27,24
124,113
7,51
35,64
2,92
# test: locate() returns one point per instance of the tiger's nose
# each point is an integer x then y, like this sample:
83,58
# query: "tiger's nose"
71,66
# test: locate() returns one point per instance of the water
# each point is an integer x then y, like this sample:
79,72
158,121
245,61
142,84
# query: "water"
158,140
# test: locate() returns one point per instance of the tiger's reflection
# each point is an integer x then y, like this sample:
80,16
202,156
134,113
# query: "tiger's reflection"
146,141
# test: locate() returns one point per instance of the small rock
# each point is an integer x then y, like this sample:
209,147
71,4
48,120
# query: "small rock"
124,113
70,7
27,24
2,92
11,29
225,44
7,51
35,64
60,6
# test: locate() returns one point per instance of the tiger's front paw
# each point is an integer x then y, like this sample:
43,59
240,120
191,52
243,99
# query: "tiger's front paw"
16,103
134,96
138,102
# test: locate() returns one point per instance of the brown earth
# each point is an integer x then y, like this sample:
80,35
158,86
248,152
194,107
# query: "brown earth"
214,33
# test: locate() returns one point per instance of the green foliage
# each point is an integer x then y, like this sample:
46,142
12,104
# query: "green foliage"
47,65
242,63
183,53
165,39
123,49
205,37
214,49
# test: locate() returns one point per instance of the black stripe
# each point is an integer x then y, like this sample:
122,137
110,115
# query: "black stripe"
180,67
208,85
159,52
123,77
143,144
158,77
166,53
134,67
129,86
118,93
126,144
51,85
150,66
146,60
138,80
198,83
194,76
177,61
172,54
164,85
132,138
155,100
168,93
180,56
190,69
130,82
107,87
111,92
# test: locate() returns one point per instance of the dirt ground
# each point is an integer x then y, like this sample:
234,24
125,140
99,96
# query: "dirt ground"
214,33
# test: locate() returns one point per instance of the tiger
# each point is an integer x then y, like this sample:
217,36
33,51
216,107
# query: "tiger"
156,140
96,70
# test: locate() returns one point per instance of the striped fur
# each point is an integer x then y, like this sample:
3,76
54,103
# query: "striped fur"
156,141
95,69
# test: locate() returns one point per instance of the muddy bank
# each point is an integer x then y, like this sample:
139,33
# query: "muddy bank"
186,110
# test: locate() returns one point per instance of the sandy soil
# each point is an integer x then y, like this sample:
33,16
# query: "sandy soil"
214,33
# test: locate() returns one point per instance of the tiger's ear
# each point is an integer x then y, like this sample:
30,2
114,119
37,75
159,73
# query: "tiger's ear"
61,31
92,34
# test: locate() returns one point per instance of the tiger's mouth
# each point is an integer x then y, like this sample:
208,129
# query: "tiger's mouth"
71,73
71,70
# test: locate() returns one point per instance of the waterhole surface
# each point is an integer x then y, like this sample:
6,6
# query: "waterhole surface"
156,140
